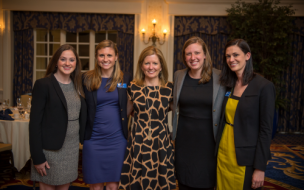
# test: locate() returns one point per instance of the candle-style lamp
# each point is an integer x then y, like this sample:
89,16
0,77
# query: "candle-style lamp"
153,37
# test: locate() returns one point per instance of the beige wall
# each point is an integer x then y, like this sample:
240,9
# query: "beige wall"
1,55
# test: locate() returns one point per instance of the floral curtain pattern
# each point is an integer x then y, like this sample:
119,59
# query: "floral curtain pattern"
292,118
23,22
73,22
23,62
125,46
213,30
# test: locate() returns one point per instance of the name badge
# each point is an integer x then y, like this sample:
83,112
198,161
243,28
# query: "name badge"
121,85
227,94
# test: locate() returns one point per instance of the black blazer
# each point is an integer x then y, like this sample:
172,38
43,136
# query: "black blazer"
49,118
253,122
91,100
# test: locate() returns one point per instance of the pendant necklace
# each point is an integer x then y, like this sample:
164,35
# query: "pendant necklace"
150,110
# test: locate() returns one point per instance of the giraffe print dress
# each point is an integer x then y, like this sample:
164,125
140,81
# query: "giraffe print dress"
149,163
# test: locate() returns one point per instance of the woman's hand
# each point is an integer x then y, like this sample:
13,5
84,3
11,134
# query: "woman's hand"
129,107
257,178
171,106
41,168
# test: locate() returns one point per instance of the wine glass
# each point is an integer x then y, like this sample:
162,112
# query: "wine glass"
18,100
28,106
20,109
4,106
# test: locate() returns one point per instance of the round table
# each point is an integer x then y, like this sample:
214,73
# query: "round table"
17,133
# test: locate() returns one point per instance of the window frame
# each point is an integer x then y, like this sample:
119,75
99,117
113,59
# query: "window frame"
92,44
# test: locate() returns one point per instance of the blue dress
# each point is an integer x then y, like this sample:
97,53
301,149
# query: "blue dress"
103,154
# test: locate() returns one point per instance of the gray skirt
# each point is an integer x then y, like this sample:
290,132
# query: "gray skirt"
63,162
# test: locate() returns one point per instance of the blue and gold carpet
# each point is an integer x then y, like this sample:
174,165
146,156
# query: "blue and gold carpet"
285,171
286,168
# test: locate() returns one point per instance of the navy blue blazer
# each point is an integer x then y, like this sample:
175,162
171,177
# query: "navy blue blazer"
91,100
49,118
253,122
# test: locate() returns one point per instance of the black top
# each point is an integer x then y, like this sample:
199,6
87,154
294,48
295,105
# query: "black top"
195,161
196,99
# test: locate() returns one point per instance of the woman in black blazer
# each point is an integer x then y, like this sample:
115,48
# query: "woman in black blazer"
106,131
244,136
57,121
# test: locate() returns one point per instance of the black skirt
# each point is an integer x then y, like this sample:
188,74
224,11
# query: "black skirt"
195,162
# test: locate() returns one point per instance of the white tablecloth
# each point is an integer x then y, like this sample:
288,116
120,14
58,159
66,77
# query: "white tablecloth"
17,133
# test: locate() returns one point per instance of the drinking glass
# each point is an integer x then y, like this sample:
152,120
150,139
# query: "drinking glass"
4,106
28,106
20,109
18,100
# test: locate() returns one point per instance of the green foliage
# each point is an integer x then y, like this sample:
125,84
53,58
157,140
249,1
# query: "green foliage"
266,26
281,102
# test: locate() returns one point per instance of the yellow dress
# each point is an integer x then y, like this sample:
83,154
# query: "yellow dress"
229,174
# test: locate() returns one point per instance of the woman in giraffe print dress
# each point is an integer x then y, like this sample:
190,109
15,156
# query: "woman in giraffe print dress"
149,157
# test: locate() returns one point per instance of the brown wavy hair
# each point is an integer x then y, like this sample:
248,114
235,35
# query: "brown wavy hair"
75,75
92,79
139,74
207,66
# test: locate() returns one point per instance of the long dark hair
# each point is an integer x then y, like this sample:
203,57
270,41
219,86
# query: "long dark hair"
228,77
75,75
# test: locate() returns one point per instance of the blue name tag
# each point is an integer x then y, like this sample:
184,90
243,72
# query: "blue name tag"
121,85
227,94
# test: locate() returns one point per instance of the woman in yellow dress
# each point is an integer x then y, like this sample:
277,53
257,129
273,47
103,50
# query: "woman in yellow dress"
244,136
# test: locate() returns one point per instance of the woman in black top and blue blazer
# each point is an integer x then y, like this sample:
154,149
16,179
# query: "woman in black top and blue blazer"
253,98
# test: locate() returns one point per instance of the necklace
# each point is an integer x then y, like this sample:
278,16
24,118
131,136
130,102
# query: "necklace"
150,110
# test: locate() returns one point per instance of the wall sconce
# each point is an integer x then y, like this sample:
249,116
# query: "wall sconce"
153,37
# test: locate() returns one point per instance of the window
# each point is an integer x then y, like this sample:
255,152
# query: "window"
46,42
81,42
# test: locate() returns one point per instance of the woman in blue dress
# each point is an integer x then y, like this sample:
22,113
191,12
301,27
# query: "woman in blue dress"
107,128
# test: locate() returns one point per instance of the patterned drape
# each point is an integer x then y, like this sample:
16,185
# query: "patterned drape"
71,22
74,22
125,46
292,119
23,62
213,30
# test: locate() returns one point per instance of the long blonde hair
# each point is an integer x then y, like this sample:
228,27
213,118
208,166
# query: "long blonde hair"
139,74
207,66
92,79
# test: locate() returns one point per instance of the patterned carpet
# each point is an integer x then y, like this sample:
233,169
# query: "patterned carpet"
285,171
286,168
